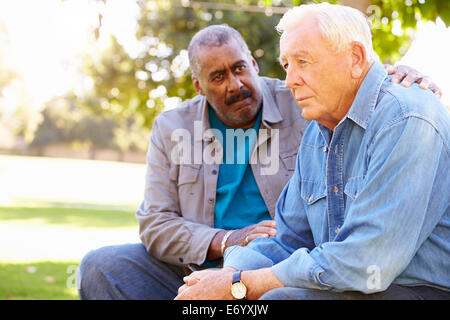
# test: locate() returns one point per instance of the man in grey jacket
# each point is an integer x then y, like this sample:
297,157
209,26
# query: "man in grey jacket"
215,168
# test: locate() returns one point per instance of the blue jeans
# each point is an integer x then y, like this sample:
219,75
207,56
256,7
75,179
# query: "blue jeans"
130,272
127,272
394,292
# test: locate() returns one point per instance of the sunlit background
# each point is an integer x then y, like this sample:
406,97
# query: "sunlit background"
81,82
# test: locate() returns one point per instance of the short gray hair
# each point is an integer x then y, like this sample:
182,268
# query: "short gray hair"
213,36
340,25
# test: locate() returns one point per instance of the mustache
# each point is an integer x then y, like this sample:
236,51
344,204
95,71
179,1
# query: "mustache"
243,94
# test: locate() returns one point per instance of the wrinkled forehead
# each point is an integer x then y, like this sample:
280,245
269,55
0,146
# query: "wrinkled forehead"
220,57
302,39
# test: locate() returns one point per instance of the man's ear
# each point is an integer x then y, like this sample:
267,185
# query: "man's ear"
255,65
359,61
197,86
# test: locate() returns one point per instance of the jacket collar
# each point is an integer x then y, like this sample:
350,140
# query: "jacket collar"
271,112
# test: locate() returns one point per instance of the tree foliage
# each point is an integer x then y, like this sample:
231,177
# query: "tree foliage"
119,89
64,122
134,90
394,23
166,27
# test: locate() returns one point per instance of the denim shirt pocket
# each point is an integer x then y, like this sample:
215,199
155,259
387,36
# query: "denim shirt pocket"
313,191
188,173
353,187
314,197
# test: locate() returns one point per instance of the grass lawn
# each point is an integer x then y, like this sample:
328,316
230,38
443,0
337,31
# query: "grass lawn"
40,248
54,211
44,280
73,217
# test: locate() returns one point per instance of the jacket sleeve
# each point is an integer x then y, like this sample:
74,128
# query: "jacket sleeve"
166,234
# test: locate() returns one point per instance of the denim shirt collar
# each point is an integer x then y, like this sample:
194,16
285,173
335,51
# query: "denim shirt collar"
364,103
367,95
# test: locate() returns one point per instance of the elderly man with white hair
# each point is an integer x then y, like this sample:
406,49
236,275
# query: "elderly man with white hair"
366,213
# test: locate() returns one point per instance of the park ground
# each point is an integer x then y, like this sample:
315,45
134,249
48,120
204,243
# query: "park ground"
52,212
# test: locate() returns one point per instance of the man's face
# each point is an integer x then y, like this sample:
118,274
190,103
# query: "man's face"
319,78
228,77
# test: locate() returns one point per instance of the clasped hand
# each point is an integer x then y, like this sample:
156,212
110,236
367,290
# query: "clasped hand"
209,284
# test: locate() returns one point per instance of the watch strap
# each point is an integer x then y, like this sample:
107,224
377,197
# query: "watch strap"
236,277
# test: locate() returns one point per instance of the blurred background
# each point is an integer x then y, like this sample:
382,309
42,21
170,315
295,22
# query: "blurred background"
81,82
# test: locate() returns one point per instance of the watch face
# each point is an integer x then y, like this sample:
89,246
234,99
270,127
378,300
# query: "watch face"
238,290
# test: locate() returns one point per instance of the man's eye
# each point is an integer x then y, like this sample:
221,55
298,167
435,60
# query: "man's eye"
240,68
285,66
218,77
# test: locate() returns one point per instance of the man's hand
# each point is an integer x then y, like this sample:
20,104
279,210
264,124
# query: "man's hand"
240,237
407,76
244,236
209,284
215,284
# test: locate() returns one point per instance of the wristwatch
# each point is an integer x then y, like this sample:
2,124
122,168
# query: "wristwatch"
238,288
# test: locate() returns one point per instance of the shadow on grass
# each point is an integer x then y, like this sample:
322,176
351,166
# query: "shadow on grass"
73,217
38,281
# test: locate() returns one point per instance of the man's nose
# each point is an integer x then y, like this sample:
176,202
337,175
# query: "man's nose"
235,84
293,78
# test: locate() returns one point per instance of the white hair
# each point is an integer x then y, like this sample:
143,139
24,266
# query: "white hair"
340,25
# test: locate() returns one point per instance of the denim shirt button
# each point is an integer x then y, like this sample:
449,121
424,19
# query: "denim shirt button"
356,195
337,230
310,199
325,149
335,189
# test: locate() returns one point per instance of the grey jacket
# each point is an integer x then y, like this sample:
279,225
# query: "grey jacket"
176,218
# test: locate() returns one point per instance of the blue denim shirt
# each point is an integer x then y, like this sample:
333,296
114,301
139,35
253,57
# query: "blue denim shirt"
368,204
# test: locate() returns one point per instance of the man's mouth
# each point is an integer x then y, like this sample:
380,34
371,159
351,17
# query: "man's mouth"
243,94
302,99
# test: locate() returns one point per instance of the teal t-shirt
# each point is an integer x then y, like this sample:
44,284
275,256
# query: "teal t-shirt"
238,200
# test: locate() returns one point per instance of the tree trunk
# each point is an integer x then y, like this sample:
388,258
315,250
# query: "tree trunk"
25,149
92,152
121,156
